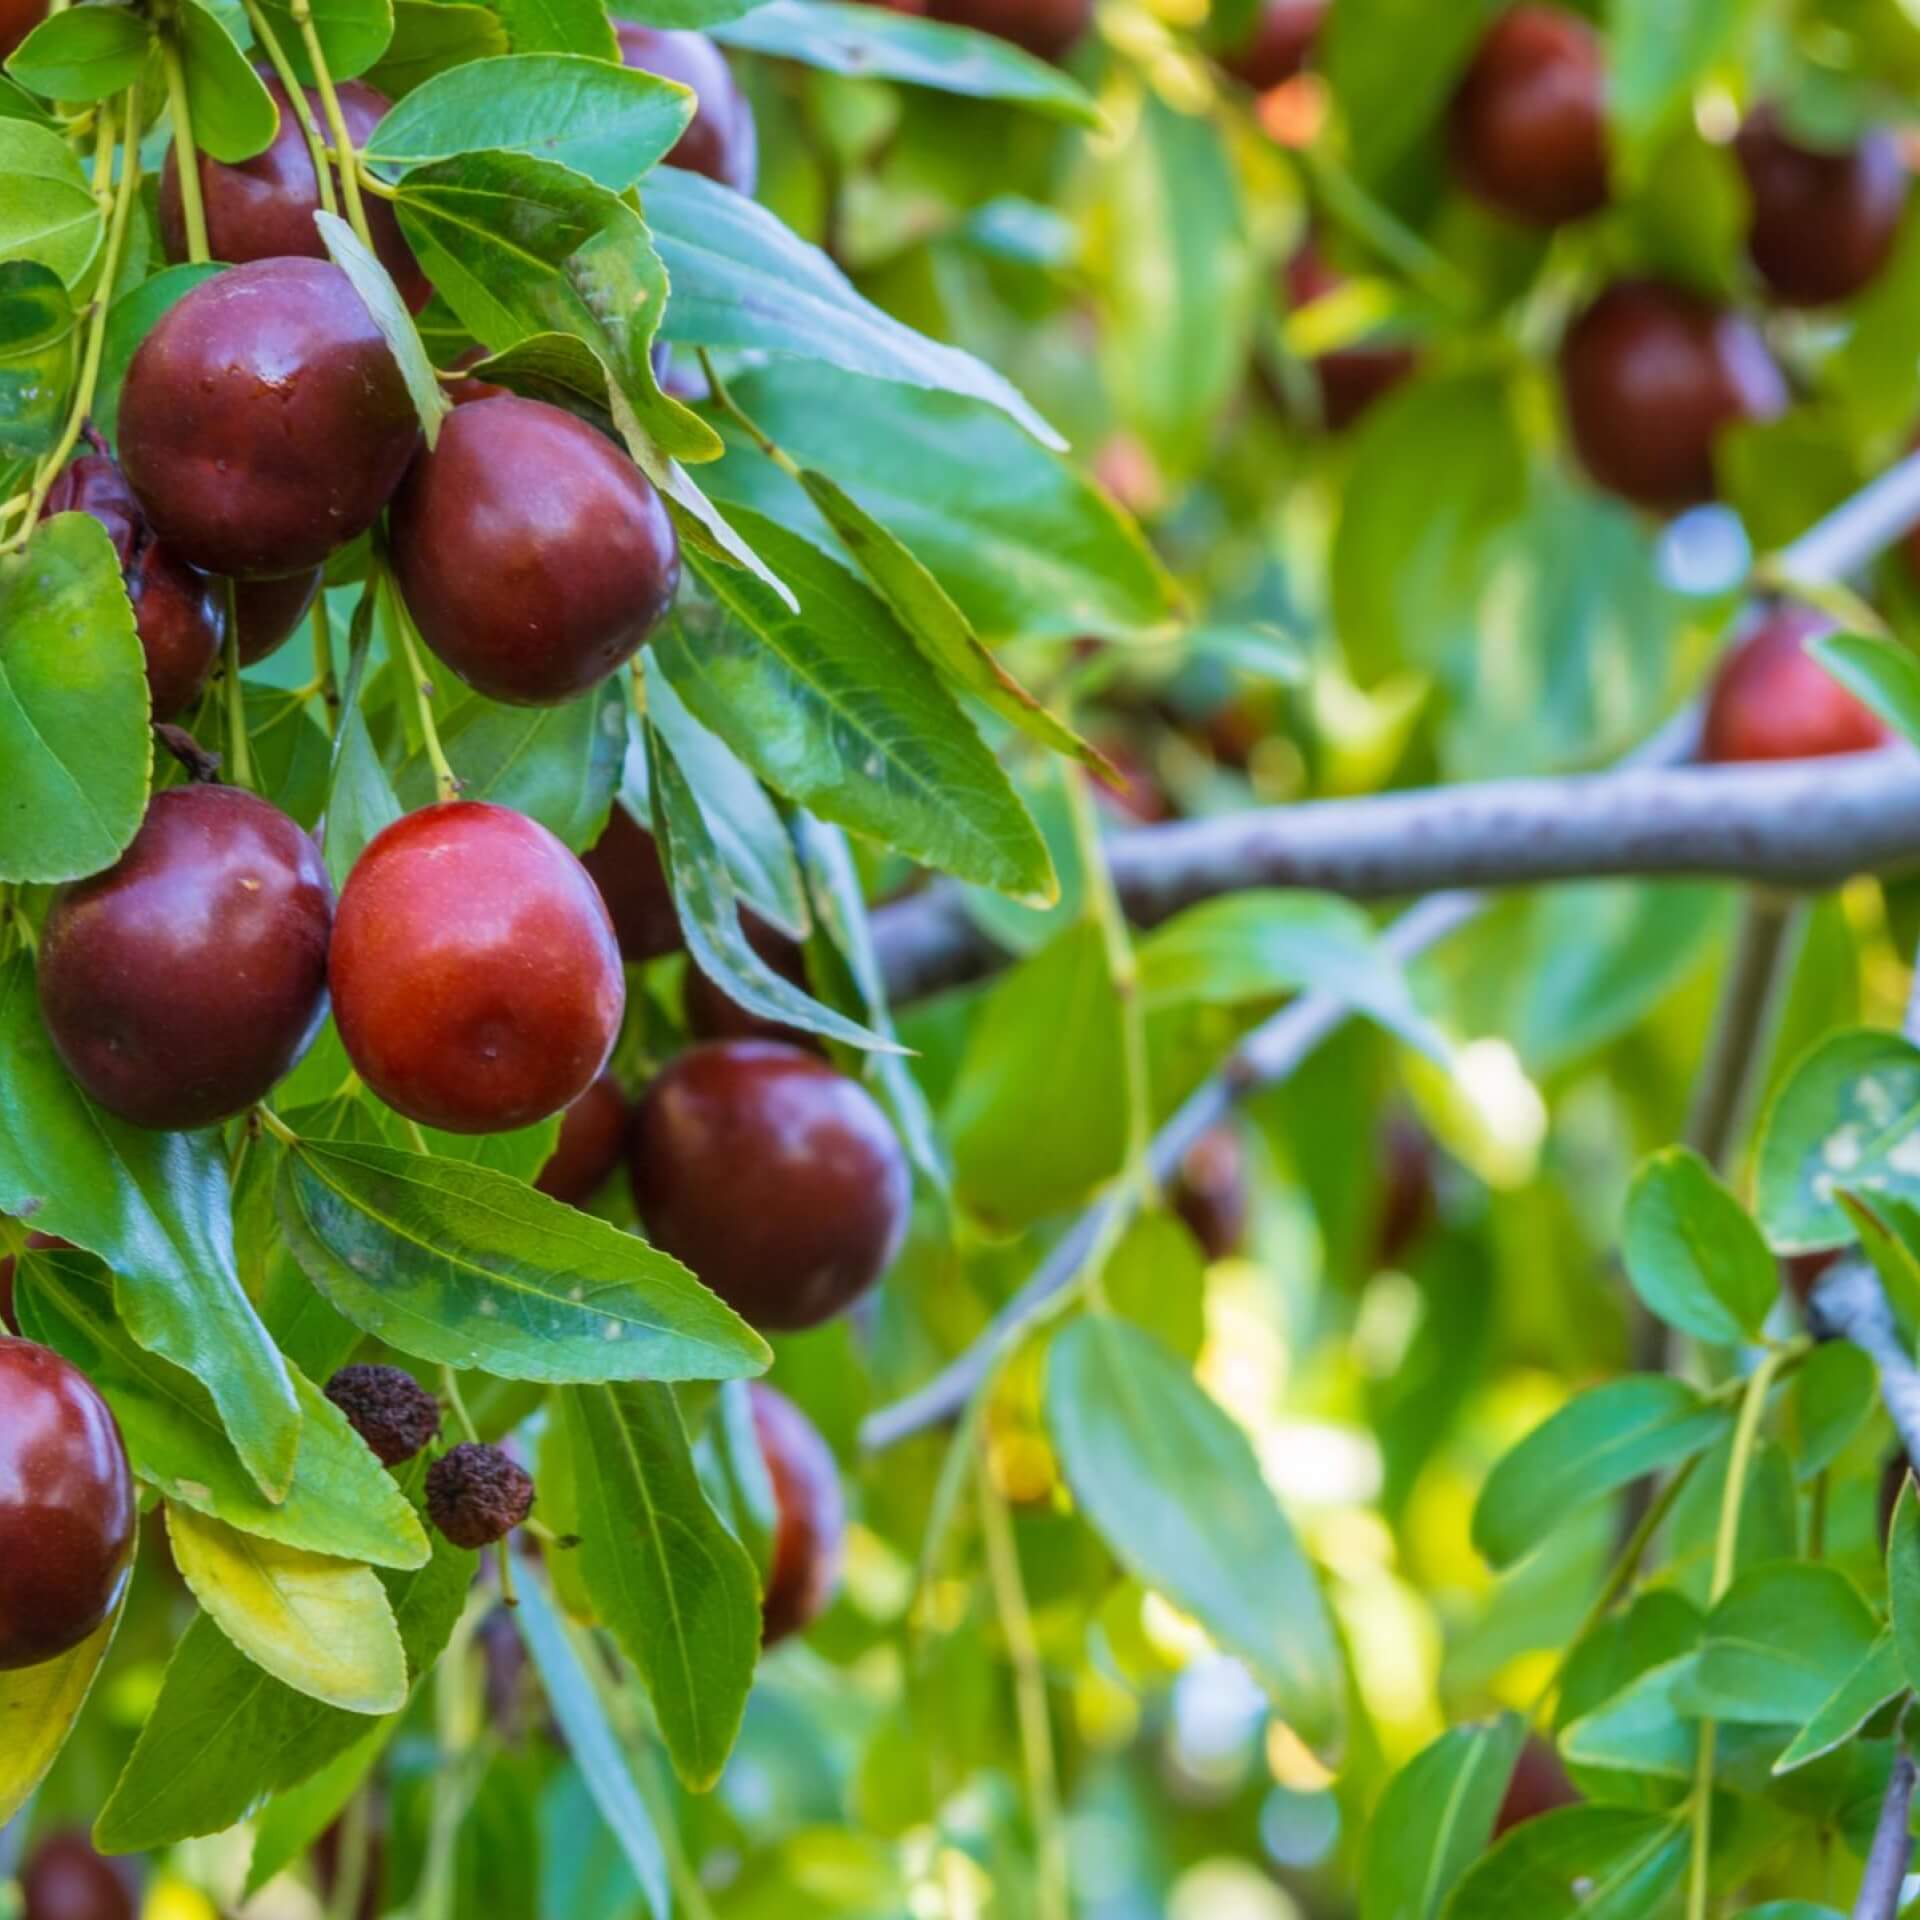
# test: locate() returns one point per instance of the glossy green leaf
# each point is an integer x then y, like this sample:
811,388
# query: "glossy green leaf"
360,798
39,356
341,1500
734,1474
560,26
38,1706
460,1265
605,121
1693,1254
1598,1442
130,319
1889,1231
1433,1820
374,285
1832,1398
1785,1639
73,705
1640,1729
1876,1680
866,43
1597,1863
1884,674
1174,1488
354,34
741,279
84,54
49,214
674,1587
234,116
156,1208
1903,1578
432,37
290,752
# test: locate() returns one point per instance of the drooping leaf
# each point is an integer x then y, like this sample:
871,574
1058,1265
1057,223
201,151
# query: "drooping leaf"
38,1706
295,1819
560,26
1390,101
432,37
374,285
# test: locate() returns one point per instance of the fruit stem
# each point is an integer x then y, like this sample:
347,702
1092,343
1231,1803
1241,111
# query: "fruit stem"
728,405
450,1386
446,781
350,1885
323,657
193,209
342,139
239,754
297,95
277,1127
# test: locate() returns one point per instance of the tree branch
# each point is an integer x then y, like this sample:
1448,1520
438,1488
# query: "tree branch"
1790,825
1892,1846
1850,1304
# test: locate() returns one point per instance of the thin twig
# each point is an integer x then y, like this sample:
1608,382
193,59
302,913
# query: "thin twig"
1892,1848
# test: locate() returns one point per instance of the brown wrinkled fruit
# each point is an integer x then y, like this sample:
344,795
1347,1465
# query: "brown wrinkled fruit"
477,1494
390,1410
810,1527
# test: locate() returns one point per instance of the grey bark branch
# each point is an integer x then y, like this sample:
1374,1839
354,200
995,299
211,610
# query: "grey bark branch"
1850,1304
1892,1848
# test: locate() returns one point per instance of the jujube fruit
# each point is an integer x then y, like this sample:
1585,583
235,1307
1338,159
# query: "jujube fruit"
1409,1198
66,1507
810,1515
18,18
774,1177
268,610
263,208
1529,124
593,1133
1824,223
264,421
535,556
186,979
1048,28
1538,1785
625,864
1652,375
64,1879
1279,45
1351,378
711,1014
476,982
1771,700
388,1408
477,1494
721,140
1211,1194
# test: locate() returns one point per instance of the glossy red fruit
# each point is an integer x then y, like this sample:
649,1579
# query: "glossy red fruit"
64,1879
593,1134
810,1527
1048,28
66,1507
1279,45
774,1177
476,981
1773,701
264,421
1651,375
1529,123
625,865
270,610
180,984
1352,378
534,554
711,1015
1539,1785
1212,1193
263,208
1824,223
721,140
36,1243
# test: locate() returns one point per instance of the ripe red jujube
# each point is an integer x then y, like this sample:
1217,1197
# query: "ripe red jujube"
1279,45
774,1177
1538,1785
64,1879
181,983
66,1507
476,980
535,556
264,421
268,610
1824,223
810,1524
1529,123
263,208
1773,701
1651,375
721,140
625,865
593,1131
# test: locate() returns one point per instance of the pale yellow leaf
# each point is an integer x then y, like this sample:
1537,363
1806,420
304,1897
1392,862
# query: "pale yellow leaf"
38,1706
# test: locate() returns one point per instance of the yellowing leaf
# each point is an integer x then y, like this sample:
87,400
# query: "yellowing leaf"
38,1706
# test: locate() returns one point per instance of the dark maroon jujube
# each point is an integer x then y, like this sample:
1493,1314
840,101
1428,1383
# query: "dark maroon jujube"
1048,28
534,555
263,208
810,1515
269,610
66,1507
476,980
593,1135
772,1175
1772,700
181,983
64,1879
625,864
712,1015
721,140
1280,44
264,422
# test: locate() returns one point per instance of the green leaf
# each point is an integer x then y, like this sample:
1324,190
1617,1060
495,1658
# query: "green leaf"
49,214
84,54
130,319
1259,945
1832,1397
360,798
1023,542
224,1734
578,1707
1388,100
431,37
323,1627
341,1500
374,285
735,1477
1889,1232
1903,1579
39,355
1433,1820
73,706
1881,673
674,1587
1597,1863
832,707
38,1706
1693,1254
1599,1441
463,1266
710,916
1038,1113
1876,1680
1174,1488
870,45
1785,1639
1848,1116
156,1208
605,121
1658,52
741,279
1639,1729
560,26
294,1820
233,113
353,34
